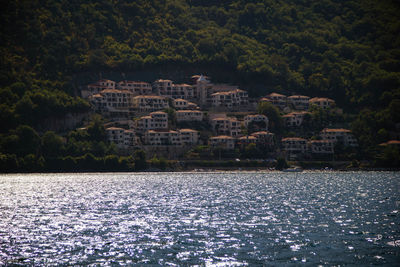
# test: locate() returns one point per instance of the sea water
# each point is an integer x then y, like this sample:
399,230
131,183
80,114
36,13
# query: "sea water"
211,219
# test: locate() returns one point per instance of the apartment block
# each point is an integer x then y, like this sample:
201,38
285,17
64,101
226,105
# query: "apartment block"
150,103
276,99
322,102
136,88
222,141
294,145
124,139
162,138
294,119
110,100
180,104
189,115
299,102
189,137
167,88
226,126
230,99
321,147
154,121
257,118
339,135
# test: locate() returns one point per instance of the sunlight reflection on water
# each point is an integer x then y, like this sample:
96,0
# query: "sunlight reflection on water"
215,219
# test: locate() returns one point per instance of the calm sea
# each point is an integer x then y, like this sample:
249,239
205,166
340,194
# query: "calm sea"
211,219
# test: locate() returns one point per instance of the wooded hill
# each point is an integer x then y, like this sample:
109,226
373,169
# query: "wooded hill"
345,50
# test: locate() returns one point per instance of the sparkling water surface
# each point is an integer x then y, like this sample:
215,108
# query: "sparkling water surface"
219,219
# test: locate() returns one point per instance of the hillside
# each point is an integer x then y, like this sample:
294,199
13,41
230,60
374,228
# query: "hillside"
345,50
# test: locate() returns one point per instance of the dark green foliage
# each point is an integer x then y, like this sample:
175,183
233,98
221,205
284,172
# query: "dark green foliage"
281,164
140,160
273,114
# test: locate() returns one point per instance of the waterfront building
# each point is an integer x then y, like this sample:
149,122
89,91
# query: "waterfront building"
321,147
162,138
189,137
123,139
222,141
265,138
339,135
294,145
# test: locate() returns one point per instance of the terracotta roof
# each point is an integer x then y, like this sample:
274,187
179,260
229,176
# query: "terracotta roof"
336,130
222,137
293,139
247,137
158,112
262,133
317,99
276,94
114,128
391,142
298,96
320,141
150,96
113,91
188,110
188,130
162,80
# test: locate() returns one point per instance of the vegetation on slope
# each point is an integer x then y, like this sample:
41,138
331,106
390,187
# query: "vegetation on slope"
346,50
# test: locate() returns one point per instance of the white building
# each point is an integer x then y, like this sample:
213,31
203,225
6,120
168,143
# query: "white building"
265,139
203,89
184,104
154,121
299,102
189,115
222,141
97,87
150,103
162,138
257,118
229,99
321,147
339,135
112,100
189,137
243,141
294,119
123,139
167,88
137,88
276,99
226,126
322,102
294,145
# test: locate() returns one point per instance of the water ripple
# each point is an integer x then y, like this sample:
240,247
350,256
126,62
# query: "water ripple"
212,219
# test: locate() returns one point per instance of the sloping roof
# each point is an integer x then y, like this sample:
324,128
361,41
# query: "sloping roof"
114,128
293,139
327,130
222,137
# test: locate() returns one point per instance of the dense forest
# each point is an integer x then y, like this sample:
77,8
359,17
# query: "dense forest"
346,50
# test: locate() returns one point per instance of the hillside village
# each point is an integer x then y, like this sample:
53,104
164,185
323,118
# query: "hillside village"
177,120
